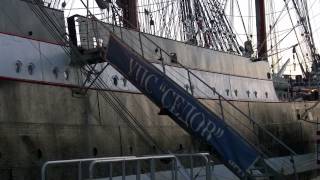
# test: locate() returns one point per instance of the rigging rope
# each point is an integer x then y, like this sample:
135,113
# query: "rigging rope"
54,31
243,24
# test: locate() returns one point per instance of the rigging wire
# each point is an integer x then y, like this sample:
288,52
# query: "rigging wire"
242,20
261,128
299,45
53,33
275,23
253,16
250,13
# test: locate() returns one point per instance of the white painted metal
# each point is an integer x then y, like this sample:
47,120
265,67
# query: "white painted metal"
51,65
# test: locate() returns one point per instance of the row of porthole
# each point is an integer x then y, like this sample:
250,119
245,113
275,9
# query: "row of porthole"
247,92
31,68
115,80
187,87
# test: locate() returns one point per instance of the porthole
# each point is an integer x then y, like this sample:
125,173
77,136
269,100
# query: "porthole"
55,72
173,58
18,66
95,151
39,153
180,147
124,80
115,80
269,75
31,67
236,92
227,91
298,116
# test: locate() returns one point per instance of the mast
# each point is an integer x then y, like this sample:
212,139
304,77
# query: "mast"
261,30
130,14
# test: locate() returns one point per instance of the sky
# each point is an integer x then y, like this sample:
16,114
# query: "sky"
284,25
274,10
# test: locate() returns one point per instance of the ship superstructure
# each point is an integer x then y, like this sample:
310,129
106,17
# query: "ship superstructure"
65,99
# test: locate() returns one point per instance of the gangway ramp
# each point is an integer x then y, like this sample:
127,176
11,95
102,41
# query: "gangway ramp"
187,111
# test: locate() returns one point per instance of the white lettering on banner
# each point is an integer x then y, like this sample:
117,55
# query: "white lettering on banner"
193,118
201,124
147,80
236,168
187,113
135,70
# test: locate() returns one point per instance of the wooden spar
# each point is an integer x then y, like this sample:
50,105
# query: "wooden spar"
261,30
130,14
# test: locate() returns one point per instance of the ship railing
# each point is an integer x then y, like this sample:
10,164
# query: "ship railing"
233,115
252,131
78,162
221,99
176,166
173,159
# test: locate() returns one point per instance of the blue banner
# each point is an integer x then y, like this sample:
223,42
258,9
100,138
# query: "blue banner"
182,107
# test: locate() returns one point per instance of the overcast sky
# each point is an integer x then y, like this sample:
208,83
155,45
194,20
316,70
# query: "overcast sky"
283,27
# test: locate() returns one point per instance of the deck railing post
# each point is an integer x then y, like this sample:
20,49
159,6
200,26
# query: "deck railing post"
294,167
138,170
110,171
221,107
152,169
162,62
141,45
123,170
190,84
175,169
80,170
191,168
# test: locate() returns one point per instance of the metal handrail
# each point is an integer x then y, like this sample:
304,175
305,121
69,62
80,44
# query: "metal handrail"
75,161
225,99
188,70
292,153
270,134
211,88
204,156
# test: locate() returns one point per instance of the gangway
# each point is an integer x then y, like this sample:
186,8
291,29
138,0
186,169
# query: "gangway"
240,156
237,154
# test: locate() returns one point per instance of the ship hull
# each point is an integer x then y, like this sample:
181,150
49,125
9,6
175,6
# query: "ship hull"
45,122
42,118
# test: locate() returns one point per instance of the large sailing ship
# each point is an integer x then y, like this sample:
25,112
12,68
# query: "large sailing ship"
135,78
